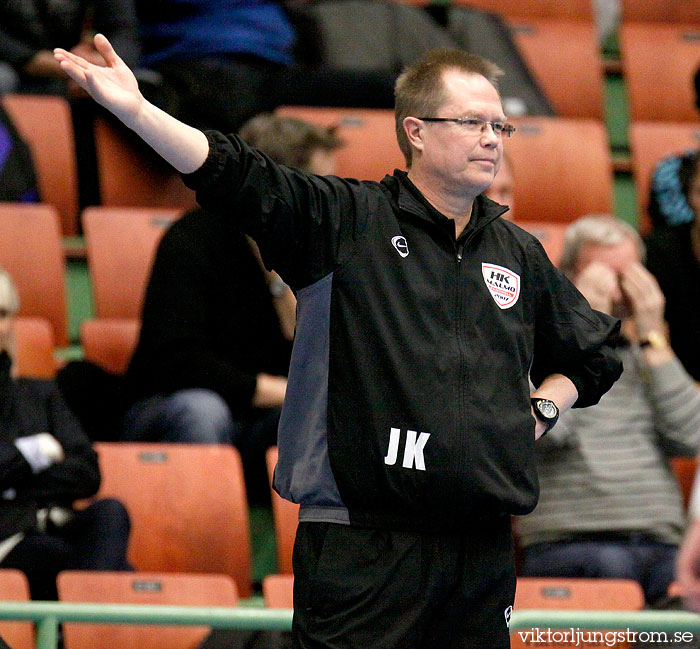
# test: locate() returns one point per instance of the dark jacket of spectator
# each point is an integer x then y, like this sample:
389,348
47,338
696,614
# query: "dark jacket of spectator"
28,407
208,317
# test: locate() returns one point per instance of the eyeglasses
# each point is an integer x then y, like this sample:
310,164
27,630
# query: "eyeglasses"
476,125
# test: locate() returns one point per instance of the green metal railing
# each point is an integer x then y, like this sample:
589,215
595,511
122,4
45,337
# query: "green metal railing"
48,615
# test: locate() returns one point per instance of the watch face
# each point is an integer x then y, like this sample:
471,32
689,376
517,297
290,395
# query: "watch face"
547,408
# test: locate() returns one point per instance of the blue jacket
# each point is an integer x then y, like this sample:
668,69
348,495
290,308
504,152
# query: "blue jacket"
173,30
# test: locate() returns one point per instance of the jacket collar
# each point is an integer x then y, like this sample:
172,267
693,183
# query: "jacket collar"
406,196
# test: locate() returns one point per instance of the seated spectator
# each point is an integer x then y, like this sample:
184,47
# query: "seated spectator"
668,195
223,63
609,502
501,189
214,349
673,257
219,61
30,29
47,463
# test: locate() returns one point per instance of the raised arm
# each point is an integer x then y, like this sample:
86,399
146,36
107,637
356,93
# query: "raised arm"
115,88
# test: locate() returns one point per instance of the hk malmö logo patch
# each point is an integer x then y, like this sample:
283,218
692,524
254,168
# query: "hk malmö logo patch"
503,284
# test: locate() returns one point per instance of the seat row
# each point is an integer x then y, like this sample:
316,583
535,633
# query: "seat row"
562,169
664,11
184,589
658,63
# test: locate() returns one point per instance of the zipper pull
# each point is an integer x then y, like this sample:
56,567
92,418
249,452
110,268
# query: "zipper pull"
460,250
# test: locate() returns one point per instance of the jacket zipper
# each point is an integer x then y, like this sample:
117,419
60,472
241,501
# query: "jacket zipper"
462,378
460,434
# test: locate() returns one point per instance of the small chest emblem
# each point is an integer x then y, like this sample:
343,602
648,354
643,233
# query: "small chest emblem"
401,245
503,284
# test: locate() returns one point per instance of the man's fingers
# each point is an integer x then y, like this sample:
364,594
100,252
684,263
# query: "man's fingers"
104,47
74,66
73,71
64,55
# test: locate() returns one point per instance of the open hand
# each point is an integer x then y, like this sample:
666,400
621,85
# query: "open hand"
112,85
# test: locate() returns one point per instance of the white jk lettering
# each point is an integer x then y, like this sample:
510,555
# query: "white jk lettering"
393,451
413,450
413,453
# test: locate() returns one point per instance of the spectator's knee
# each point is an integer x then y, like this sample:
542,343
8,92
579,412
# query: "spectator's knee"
614,562
200,416
113,513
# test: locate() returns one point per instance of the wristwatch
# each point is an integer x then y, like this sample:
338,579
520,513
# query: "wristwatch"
546,411
655,340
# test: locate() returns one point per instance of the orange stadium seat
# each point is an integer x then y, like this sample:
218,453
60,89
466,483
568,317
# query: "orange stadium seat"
370,150
34,347
31,251
15,588
187,503
109,342
121,244
46,125
568,10
582,594
278,591
548,158
576,594
563,55
551,236
650,142
131,174
286,518
662,11
658,63
141,588
684,469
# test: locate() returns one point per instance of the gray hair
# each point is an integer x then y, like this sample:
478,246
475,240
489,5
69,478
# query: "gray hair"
9,297
9,300
600,230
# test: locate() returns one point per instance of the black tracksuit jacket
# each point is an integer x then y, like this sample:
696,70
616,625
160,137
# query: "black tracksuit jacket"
408,400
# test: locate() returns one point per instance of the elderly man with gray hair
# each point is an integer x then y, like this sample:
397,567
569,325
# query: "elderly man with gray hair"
609,503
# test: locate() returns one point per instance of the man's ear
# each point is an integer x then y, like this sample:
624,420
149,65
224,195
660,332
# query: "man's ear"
414,132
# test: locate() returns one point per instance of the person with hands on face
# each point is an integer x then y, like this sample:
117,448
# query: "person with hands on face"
407,431
609,502
46,463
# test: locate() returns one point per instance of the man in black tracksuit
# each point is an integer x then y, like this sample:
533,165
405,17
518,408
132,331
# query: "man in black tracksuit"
408,430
